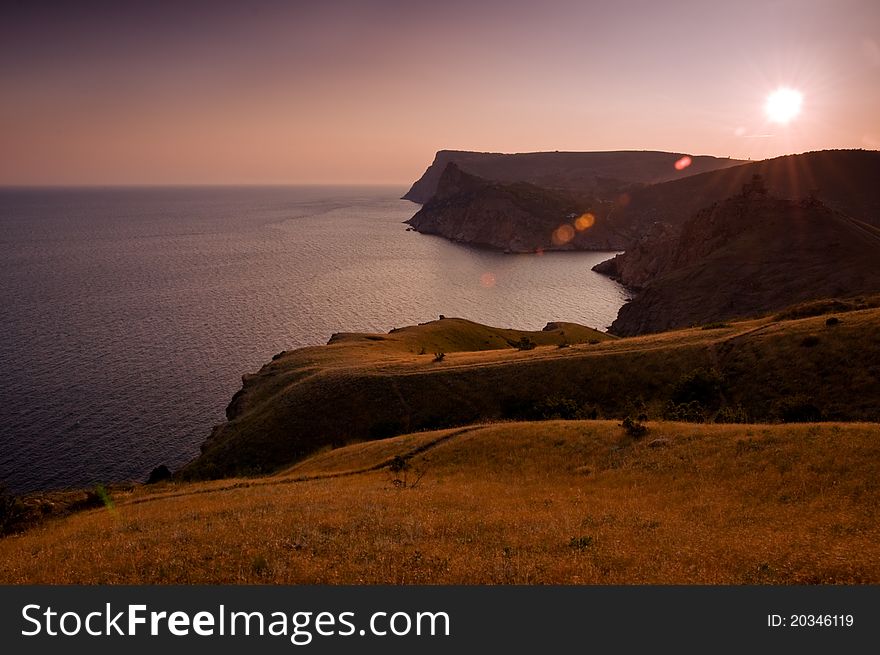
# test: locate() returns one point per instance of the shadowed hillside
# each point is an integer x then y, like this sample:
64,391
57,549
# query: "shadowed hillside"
524,217
844,180
362,387
514,217
746,256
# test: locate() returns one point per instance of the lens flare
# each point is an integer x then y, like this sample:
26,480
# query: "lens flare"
584,222
563,234
683,163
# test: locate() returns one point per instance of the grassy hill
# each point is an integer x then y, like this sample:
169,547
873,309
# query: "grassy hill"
570,502
511,501
363,387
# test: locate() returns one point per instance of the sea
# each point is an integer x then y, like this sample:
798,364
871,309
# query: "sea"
128,315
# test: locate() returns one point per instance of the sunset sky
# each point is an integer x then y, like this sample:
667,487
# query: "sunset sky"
366,92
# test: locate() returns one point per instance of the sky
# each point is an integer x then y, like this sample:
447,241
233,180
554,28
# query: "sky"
337,92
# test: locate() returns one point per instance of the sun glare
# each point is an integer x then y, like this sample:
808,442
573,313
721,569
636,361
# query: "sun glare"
783,105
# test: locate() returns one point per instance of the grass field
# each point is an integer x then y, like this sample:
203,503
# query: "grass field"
568,502
369,386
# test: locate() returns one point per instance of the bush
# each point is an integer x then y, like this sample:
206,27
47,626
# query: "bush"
691,412
716,326
403,474
556,408
439,357
159,474
525,343
832,321
736,414
809,341
548,408
701,385
634,428
580,543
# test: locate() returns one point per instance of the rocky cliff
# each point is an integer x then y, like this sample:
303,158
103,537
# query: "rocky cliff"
844,180
515,217
602,173
745,256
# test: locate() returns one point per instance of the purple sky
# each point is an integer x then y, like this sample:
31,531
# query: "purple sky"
365,92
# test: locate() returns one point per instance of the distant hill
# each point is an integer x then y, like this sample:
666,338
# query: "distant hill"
514,217
583,172
844,180
745,256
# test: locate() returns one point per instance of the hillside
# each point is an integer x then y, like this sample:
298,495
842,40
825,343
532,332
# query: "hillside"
357,387
583,172
361,387
526,216
514,217
555,502
844,180
746,256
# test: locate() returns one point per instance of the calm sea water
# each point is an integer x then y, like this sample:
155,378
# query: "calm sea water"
129,315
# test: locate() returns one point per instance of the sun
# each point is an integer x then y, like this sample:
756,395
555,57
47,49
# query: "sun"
783,105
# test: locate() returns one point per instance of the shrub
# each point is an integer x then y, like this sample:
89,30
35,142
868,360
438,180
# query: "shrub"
809,341
580,543
439,357
716,326
634,428
736,414
832,321
159,474
690,412
403,474
700,385
555,407
525,343
260,565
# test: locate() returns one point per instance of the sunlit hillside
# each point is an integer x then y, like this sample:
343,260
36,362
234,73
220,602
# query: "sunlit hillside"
550,502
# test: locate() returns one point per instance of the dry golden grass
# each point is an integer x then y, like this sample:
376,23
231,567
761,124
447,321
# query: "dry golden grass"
364,387
552,502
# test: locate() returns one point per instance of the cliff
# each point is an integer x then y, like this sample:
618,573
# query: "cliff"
844,180
362,387
515,217
359,387
745,256
522,216
603,173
